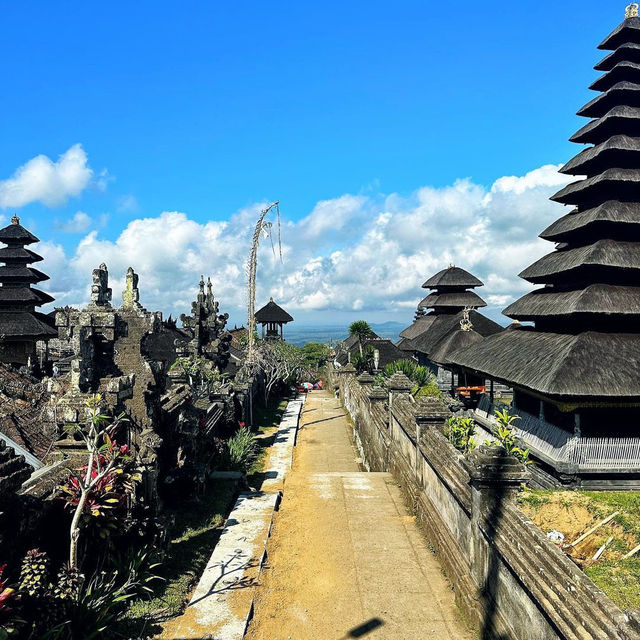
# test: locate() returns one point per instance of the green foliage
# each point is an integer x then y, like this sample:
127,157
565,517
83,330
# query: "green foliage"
506,436
425,381
460,433
360,328
34,573
242,450
315,354
364,361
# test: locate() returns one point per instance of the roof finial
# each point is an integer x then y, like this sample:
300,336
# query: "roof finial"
15,219
632,10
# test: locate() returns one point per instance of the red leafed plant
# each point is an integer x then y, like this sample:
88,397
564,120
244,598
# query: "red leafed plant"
105,481
8,600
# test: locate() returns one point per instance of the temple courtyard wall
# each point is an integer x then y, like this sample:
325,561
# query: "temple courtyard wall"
510,581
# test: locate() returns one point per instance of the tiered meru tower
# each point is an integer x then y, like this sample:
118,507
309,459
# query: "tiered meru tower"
451,292
579,367
20,325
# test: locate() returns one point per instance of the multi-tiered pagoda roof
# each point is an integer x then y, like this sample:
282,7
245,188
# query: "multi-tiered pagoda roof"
19,319
452,300
585,344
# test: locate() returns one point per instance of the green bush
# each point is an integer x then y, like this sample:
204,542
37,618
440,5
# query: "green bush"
460,433
506,437
242,450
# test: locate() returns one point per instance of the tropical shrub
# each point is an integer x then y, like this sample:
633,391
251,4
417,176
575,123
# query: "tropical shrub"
424,380
506,436
460,433
242,450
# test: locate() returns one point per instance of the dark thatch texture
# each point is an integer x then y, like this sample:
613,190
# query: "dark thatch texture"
556,364
603,253
25,295
626,93
594,299
620,120
620,151
629,51
23,324
19,254
452,277
454,299
444,325
624,71
21,274
271,312
15,233
419,326
627,31
621,214
623,183
452,342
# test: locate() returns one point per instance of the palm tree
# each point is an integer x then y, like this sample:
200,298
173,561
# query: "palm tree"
362,329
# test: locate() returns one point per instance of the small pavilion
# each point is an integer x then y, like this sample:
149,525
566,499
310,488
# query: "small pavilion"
21,326
272,317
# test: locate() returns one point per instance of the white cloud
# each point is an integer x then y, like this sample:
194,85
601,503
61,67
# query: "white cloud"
80,223
48,182
127,203
353,253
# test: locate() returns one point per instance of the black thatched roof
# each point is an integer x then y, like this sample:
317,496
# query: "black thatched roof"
624,71
621,151
445,325
621,93
582,345
603,253
452,277
603,219
619,183
454,299
21,274
271,312
556,364
15,233
627,31
388,351
19,254
24,294
455,341
620,120
594,299
629,51
419,326
23,324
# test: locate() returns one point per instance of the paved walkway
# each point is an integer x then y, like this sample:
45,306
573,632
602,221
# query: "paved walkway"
345,560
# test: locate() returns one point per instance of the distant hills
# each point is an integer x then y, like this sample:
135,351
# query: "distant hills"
300,335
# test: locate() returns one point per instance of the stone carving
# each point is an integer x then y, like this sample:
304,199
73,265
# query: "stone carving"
100,291
131,294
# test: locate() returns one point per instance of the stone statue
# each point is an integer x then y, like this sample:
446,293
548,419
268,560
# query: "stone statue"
100,292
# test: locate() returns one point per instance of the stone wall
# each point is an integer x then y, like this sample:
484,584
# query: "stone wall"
510,581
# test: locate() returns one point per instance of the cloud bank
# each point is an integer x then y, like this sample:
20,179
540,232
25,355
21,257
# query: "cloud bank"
351,253
50,183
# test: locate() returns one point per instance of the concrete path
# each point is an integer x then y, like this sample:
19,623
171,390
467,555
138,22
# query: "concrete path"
222,602
345,559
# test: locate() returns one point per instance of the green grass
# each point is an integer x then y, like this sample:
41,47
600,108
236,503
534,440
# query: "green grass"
193,535
618,578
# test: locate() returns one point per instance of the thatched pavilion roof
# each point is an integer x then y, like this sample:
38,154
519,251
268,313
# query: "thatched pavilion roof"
452,277
272,312
557,364
454,341
455,299
586,339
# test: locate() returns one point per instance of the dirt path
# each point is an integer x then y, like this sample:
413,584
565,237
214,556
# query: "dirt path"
345,558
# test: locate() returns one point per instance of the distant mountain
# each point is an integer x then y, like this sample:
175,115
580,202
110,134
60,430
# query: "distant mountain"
300,335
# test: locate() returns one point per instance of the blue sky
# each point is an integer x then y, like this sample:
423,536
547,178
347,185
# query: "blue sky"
210,108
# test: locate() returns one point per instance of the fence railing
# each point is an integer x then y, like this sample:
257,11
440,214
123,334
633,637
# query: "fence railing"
560,446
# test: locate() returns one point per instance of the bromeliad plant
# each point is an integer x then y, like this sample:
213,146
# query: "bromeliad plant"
506,436
105,481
